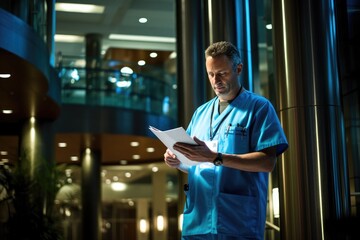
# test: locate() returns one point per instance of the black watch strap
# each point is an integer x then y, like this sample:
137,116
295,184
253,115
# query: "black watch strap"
218,160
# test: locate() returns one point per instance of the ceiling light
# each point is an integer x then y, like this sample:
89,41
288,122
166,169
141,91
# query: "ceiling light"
142,38
136,156
155,169
128,174
153,55
3,153
74,158
123,162
134,144
79,8
126,70
62,144
269,26
68,38
150,149
172,55
141,63
142,20
118,186
7,111
5,75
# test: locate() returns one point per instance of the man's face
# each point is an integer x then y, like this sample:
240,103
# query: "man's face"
223,77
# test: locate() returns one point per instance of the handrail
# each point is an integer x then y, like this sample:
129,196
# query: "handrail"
273,226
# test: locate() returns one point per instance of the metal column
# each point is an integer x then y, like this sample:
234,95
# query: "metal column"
313,184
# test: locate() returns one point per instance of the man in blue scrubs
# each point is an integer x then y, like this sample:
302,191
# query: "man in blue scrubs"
239,137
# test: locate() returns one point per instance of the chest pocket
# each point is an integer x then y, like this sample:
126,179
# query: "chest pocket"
236,139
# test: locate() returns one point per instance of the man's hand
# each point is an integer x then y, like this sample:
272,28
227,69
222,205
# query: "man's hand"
170,159
199,152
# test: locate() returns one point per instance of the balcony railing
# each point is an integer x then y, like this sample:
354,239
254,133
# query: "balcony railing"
154,92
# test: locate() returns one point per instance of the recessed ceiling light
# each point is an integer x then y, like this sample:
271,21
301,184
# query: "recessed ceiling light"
5,75
142,20
141,63
153,55
62,144
123,162
134,144
136,156
150,149
128,174
154,169
7,111
3,153
79,8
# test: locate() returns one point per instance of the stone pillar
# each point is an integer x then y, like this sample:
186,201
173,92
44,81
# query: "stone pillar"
142,218
159,205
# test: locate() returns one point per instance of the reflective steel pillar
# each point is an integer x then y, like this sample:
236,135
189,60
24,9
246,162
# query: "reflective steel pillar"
313,184
93,64
191,75
91,195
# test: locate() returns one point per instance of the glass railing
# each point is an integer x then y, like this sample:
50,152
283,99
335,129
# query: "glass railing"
153,91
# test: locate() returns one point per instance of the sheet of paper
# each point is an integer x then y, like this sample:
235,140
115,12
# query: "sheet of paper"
170,137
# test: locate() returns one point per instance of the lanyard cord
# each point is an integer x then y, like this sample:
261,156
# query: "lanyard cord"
213,133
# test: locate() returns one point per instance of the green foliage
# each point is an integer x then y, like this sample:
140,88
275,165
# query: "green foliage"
33,195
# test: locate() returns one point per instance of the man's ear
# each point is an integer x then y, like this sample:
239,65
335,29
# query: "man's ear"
239,68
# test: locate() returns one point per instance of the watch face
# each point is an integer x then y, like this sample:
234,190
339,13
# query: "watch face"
218,162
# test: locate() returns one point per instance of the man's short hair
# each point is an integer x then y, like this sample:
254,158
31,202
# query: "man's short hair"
224,48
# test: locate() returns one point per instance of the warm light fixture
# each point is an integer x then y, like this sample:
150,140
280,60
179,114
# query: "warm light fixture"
134,144
5,75
118,186
268,26
160,223
143,225
79,8
3,153
276,205
7,111
154,169
68,38
180,222
150,149
136,156
142,38
62,144
74,158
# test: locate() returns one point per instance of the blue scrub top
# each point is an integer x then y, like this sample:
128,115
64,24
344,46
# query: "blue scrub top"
222,200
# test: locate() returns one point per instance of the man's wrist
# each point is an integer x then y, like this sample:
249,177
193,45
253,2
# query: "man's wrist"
218,161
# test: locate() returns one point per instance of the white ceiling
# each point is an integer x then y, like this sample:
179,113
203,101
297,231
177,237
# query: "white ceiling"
119,17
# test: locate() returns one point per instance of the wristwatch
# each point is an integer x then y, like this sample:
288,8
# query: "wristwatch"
218,160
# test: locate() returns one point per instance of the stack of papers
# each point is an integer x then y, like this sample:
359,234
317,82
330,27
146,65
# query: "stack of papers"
172,136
